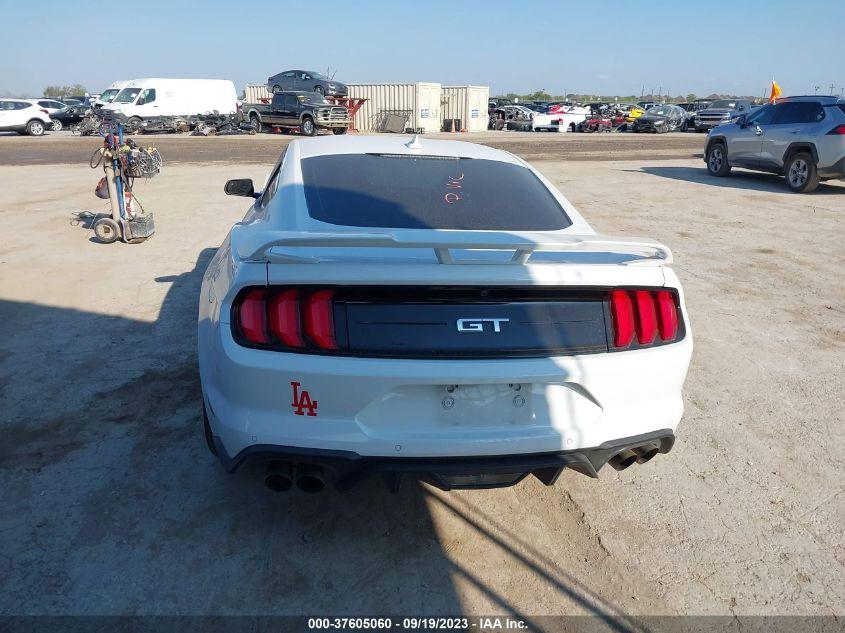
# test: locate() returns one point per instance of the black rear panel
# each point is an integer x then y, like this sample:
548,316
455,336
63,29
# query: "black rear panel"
470,322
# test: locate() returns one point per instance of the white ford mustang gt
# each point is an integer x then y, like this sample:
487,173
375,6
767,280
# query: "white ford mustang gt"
435,309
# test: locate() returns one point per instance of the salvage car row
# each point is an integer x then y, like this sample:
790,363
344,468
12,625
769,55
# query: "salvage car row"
699,116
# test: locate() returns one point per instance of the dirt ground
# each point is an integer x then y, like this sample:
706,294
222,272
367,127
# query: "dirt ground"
64,147
112,504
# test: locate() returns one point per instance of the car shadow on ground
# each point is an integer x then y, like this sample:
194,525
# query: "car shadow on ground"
112,503
738,179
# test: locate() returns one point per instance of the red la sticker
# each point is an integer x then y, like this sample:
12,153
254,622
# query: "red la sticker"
302,403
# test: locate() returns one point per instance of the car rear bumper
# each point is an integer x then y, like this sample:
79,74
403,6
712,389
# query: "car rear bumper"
345,469
429,408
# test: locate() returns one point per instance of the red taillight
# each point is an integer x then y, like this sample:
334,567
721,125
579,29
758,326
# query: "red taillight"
646,317
623,318
44,111
284,318
252,317
667,315
839,129
319,321
645,313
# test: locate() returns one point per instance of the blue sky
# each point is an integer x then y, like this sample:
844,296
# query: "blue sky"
614,47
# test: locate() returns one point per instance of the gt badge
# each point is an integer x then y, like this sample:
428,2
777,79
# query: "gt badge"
302,403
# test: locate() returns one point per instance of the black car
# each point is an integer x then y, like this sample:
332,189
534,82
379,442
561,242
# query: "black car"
68,116
305,110
659,119
306,81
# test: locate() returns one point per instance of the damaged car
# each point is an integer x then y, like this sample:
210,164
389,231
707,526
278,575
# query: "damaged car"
659,119
381,311
511,117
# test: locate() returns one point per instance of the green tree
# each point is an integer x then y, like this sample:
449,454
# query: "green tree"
61,92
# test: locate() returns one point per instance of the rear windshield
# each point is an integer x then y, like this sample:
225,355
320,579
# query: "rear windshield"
428,192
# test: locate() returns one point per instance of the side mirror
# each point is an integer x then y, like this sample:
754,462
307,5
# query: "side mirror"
240,187
741,121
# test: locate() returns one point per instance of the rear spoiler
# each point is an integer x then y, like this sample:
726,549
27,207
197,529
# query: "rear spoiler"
641,250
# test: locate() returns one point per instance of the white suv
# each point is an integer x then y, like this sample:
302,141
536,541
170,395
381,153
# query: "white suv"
435,309
23,117
51,106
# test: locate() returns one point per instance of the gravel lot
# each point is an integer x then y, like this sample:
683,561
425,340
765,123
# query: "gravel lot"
112,504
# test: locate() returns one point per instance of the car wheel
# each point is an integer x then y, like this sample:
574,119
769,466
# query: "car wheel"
318,90
801,173
133,125
339,130
308,128
56,126
717,160
206,425
106,230
255,122
35,128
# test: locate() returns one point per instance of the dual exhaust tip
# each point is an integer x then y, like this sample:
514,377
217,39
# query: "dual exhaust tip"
638,454
282,476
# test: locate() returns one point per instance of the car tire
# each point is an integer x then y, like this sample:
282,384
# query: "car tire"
307,127
255,122
35,127
206,426
717,160
133,125
56,126
801,173
339,130
106,230
318,90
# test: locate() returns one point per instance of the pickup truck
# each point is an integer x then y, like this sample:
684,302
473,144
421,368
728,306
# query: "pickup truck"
720,112
308,111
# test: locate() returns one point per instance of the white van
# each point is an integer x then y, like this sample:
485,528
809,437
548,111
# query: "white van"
109,94
143,98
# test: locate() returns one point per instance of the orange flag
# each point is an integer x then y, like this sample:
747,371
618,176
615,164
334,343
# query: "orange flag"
775,92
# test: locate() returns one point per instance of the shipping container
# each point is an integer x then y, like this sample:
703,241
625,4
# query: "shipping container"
417,104
254,93
467,105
